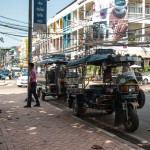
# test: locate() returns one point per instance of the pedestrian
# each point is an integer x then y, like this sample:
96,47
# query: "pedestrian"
32,87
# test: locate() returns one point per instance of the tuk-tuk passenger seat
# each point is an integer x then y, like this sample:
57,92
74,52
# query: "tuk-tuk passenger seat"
89,94
97,90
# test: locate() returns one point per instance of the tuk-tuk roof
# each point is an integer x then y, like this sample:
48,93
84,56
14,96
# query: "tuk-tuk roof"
52,60
97,59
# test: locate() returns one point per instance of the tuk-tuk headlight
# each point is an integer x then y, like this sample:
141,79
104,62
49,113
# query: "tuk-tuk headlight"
122,80
132,88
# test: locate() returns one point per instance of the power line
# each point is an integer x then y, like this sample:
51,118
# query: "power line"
12,27
7,23
13,19
13,34
12,38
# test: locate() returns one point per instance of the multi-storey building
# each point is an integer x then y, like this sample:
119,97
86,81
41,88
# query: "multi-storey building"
71,29
68,27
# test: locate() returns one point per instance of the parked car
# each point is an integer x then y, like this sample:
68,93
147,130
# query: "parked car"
22,80
16,71
6,72
146,77
2,76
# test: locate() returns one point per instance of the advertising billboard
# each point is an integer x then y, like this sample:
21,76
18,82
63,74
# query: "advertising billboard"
110,22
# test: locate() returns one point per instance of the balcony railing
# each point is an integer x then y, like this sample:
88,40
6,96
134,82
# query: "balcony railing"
67,28
137,17
134,16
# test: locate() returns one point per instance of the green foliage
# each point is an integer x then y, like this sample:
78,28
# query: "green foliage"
146,68
91,70
115,70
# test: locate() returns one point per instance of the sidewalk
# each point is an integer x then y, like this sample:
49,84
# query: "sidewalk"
145,88
3,82
48,128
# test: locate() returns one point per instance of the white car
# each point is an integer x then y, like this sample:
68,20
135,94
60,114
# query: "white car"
22,80
146,77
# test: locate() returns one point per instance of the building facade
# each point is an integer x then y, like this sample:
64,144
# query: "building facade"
70,31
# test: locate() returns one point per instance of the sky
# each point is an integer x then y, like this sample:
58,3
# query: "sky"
16,12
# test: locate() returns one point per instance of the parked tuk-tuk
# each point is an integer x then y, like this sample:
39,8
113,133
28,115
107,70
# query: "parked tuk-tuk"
121,95
50,76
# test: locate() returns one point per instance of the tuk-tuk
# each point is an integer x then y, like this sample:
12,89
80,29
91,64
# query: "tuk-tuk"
50,76
121,94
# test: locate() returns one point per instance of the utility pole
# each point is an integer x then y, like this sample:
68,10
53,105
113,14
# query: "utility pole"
29,41
30,33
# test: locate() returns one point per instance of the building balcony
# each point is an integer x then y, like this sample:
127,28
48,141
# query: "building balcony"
138,18
89,15
67,28
66,46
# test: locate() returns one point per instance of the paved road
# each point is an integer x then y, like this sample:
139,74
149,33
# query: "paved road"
143,132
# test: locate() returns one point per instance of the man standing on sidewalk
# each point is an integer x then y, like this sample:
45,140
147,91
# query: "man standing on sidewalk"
32,87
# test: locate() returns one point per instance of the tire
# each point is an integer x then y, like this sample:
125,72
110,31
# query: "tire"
77,108
58,96
109,112
19,85
145,81
132,123
42,95
141,99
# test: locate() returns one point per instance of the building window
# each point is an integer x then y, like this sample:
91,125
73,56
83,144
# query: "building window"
147,9
139,8
147,38
132,7
69,20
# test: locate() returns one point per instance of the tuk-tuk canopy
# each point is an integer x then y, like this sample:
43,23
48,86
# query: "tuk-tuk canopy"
97,59
54,59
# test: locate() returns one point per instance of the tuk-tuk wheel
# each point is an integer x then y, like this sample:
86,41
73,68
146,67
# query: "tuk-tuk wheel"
132,123
77,108
141,99
58,96
109,112
42,95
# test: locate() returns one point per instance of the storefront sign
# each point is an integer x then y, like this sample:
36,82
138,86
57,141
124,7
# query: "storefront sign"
40,15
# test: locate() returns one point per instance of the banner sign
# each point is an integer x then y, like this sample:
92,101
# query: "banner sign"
40,16
110,20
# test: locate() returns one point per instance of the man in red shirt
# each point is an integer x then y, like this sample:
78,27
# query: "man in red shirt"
32,87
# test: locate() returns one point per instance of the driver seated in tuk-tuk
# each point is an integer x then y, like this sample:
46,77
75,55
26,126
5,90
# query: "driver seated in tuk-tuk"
51,75
126,70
